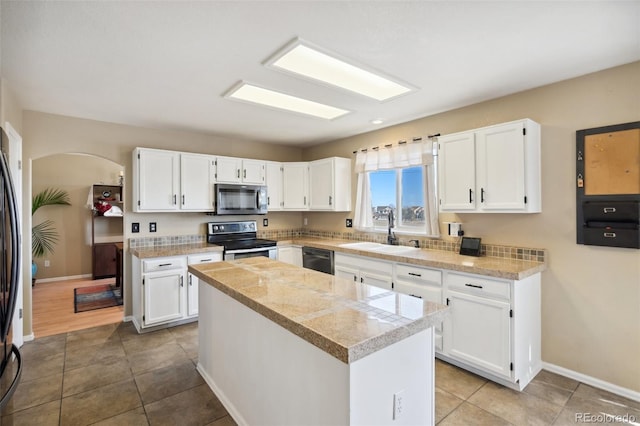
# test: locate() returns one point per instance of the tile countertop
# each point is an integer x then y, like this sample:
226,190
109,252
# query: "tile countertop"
346,320
175,250
511,269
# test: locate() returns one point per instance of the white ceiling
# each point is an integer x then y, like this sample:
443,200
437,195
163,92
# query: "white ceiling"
167,64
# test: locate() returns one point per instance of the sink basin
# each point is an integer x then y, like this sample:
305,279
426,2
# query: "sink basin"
379,248
394,249
362,245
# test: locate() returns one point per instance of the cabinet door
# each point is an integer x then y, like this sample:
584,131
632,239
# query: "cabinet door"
228,169
500,167
291,255
163,292
104,260
295,177
273,180
196,191
346,272
456,163
478,332
321,185
158,175
253,172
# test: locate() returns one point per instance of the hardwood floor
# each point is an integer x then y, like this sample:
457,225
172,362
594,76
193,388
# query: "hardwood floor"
53,308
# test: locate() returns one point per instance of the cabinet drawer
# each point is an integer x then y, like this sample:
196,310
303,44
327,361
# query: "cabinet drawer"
163,264
478,285
426,292
364,264
195,259
415,273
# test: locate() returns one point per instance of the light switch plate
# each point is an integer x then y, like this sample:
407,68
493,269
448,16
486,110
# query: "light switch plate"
153,227
349,223
135,227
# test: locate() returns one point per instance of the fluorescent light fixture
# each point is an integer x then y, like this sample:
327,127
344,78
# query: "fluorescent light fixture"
301,58
258,95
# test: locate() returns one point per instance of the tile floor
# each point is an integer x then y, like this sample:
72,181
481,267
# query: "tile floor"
111,375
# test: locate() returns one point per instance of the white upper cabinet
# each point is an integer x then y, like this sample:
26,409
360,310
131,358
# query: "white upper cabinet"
171,181
239,170
196,191
330,184
494,169
295,186
156,180
273,178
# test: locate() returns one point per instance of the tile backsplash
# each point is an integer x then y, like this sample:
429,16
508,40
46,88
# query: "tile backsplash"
491,250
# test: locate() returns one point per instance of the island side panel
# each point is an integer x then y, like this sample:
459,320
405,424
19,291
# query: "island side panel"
406,368
264,374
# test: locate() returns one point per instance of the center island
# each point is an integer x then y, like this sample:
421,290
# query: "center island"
283,345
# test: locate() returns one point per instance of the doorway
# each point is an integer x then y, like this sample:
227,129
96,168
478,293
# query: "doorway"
69,265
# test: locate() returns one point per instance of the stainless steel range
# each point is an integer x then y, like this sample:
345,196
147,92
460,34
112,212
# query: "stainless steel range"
240,240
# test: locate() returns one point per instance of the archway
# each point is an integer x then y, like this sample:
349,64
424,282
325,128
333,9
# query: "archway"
69,265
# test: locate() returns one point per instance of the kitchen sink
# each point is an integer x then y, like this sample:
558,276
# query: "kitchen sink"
362,245
379,248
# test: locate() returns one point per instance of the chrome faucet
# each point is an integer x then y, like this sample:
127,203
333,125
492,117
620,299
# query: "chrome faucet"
391,237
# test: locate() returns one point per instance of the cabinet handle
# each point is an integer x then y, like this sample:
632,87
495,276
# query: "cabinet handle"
244,175
175,200
190,280
473,285
413,274
330,200
415,295
609,234
165,264
181,282
482,195
268,201
448,300
355,278
238,173
206,260
183,199
609,209
470,196
361,280
305,200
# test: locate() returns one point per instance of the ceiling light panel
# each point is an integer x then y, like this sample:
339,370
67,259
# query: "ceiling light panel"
300,58
259,95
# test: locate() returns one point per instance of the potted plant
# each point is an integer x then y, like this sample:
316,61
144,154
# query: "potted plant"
44,235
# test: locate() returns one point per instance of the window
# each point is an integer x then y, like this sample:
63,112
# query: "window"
401,187
398,180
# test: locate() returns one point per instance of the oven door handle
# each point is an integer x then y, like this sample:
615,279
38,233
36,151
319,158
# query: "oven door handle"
250,250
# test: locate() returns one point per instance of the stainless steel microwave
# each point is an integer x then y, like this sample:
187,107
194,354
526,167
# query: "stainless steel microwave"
234,199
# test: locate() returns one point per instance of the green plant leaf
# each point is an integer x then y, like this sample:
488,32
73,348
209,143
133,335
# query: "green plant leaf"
43,238
50,197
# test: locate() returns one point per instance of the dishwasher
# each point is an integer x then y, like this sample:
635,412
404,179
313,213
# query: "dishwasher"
318,259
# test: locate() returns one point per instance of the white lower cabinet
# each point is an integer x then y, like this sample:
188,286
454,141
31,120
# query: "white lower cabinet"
290,254
162,290
424,283
365,270
494,327
193,281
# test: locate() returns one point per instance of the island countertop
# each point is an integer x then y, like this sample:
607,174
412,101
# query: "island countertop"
345,319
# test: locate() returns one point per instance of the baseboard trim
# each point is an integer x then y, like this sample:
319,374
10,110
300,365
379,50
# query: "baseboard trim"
71,277
28,337
592,381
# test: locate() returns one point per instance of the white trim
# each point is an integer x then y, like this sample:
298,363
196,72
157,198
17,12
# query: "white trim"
127,318
29,337
592,381
70,277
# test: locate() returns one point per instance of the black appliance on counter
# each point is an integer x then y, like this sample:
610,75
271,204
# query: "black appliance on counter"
239,240
10,367
608,186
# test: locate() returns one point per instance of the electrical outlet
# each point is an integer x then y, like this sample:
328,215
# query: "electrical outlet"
265,222
305,221
349,223
47,263
153,227
398,404
135,227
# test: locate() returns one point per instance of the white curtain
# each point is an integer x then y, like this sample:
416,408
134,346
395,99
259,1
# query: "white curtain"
395,157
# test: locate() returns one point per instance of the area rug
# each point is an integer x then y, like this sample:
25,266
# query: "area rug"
96,297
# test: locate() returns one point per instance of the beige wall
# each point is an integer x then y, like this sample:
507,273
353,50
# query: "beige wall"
10,109
591,295
75,174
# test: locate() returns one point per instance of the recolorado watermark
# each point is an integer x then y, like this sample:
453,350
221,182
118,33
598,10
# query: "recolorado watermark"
604,417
